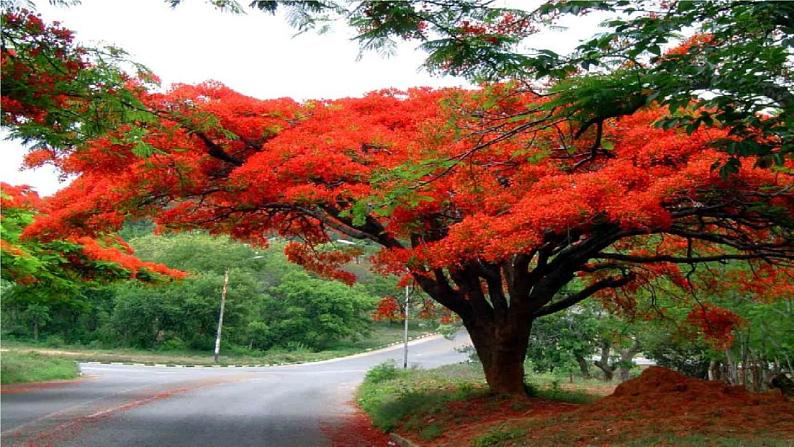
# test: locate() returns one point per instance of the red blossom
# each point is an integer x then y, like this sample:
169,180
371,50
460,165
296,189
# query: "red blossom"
716,323
388,309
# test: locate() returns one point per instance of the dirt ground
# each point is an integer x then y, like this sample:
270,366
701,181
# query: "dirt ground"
660,407
356,431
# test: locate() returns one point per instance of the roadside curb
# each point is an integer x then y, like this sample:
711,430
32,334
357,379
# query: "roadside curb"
264,365
425,335
402,442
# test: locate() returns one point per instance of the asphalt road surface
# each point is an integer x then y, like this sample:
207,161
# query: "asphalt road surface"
119,405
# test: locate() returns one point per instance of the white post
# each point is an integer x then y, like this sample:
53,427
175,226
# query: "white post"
220,315
405,332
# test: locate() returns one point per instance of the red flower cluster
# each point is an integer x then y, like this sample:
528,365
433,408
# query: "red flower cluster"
716,323
79,255
43,90
97,252
388,309
324,263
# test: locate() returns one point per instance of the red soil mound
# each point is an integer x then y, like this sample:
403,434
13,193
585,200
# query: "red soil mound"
664,382
661,400
668,393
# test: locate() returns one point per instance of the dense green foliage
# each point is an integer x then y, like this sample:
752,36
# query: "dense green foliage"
763,343
41,279
77,92
270,303
313,312
562,340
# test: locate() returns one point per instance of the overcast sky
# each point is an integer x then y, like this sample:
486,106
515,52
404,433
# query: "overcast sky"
255,54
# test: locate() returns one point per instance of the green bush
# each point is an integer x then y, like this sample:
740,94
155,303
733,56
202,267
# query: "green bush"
392,409
390,395
382,372
498,436
54,341
448,330
431,431
173,344
315,312
297,347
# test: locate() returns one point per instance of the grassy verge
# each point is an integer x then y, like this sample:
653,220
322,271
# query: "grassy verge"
32,367
381,335
451,407
524,433
565,389
394,397
389,395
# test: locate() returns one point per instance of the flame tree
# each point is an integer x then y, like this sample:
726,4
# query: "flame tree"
501,210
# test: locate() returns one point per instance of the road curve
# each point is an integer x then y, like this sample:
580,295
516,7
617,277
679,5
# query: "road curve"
120,405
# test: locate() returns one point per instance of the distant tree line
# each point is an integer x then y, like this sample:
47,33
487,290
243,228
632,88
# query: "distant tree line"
271,302
590,341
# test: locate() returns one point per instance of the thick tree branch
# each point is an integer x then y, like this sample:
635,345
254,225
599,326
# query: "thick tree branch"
493,277
693,260
468,281
588,291
440,290
217,151
594,147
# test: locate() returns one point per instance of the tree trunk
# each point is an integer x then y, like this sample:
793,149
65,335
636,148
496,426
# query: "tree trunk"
733,372
609,373
626,357
784,384
584,367
624,373
715,373
502,350
603,363
744,365
35,330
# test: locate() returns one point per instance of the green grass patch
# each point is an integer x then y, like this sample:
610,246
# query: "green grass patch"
393,396
381,335
698,440
430,432
390,394
554,392
32,367
566,382
498,436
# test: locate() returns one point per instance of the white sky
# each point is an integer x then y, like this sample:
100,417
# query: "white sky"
255,54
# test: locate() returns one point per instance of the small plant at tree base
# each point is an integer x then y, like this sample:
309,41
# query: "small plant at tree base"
498,436
430,432
382,372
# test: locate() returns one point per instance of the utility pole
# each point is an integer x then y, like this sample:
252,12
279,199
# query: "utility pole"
405,332
220,316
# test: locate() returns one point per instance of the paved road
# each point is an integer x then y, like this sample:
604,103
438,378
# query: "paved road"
118,405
